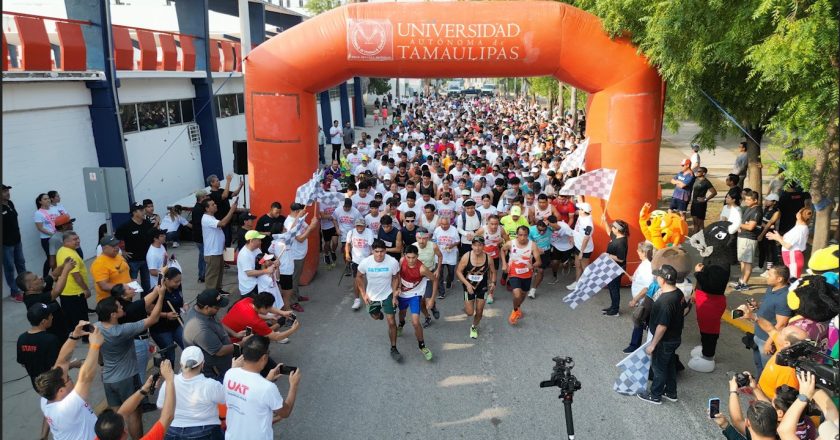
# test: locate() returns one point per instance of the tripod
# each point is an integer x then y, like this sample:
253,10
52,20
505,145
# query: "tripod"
562,377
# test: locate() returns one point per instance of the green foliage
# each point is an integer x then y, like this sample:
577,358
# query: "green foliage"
316,7
379,86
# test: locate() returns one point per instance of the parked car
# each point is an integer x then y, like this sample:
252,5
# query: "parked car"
470,93
488,90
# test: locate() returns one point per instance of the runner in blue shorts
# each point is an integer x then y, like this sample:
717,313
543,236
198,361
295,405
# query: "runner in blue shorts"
413,280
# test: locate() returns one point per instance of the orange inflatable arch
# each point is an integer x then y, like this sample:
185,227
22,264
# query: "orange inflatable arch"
461,40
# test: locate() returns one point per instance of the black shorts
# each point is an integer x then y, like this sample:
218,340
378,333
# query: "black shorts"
519,283
354,269
576,251
562,256
698,209
328,234
480,293
286,282
546,258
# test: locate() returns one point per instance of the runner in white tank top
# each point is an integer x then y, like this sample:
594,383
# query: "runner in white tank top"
494,238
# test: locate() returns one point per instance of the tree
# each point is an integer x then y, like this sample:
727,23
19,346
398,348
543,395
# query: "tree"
379,86
700,47
800,58
545,86
316,7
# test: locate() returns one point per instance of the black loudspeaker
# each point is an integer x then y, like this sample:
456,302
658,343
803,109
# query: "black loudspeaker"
240,157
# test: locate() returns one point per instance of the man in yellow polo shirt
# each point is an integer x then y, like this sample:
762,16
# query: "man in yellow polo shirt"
76,291
109,268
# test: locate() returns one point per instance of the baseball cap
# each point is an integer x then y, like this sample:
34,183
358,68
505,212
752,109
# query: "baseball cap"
191,357
5,186
245,216
478,238
136,207
40,311
297,206
360,222
250,235
515,210
109,240
535,169
266,257
585,207
211,297
773,197
667,272
685,162
63,219
465,192
201,193
824,259
386,177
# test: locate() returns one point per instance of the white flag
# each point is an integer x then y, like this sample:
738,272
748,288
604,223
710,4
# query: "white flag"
598,183
634,372
594,278
575,160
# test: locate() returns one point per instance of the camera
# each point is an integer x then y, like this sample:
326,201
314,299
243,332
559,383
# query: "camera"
561,376
88,328
806,356
742,379
161,353
748,341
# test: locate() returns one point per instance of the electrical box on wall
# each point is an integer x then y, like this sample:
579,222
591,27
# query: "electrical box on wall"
106,189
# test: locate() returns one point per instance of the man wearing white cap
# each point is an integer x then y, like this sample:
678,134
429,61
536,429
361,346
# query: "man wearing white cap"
196,399
583,240
358,247
246,263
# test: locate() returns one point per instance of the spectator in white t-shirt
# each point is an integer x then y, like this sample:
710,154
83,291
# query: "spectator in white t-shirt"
254,403
196,399
63,402
156,256
246,264
214,242
171,223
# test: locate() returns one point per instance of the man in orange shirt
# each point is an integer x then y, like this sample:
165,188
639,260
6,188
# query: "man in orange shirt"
109,268
775,375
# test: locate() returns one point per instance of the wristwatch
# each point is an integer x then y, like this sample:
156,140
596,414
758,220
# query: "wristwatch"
75,338
803,397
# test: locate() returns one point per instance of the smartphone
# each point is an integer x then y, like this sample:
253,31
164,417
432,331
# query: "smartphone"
160,279
714,407
88,328
737,313
237,350
249,331
287,369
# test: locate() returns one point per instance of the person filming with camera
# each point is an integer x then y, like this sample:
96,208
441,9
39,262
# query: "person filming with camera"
253,402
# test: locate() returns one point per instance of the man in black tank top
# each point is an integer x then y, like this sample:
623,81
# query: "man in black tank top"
391,236
477,275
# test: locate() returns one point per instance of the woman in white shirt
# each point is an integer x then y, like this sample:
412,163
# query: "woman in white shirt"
794,242
171,223
732,211
642,279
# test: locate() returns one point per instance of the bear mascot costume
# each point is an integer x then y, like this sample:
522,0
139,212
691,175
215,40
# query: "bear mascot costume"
715,245
814,303
662,228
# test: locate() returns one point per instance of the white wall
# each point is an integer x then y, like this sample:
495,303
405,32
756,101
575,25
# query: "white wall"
164,166
231,129
154,89
47,140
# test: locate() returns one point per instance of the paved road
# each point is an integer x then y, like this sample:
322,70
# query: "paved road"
488,388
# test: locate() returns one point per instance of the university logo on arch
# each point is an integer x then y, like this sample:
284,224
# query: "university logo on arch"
370,40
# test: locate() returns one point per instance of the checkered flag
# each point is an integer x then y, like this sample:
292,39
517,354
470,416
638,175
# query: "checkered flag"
289,235
634,372
328,198
594,278
597,183
305,193
575,160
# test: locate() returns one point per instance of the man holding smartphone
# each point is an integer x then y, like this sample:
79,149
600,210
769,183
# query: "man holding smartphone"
254,403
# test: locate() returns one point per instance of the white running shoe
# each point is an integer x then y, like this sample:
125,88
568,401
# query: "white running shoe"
284,341
357,303
176,244
572,286
532,293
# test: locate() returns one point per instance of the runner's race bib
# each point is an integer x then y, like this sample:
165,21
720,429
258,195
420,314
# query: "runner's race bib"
475,278
521,270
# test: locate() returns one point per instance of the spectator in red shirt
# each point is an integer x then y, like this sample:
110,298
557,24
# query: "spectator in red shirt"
253,312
